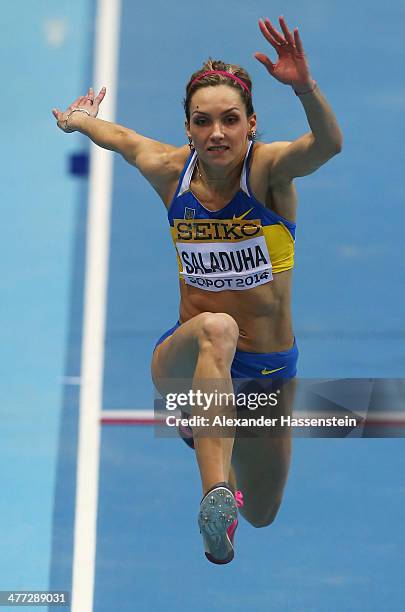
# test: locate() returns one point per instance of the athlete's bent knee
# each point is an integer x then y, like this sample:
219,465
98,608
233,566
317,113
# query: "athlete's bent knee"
218,327
268,518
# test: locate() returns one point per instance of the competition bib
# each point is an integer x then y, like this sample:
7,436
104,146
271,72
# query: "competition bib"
219,254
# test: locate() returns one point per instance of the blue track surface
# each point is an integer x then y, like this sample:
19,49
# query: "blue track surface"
338,542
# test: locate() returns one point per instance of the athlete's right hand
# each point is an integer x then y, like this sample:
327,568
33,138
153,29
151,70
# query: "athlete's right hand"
65,120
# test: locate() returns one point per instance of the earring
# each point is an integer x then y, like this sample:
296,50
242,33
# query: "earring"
190,143
252,135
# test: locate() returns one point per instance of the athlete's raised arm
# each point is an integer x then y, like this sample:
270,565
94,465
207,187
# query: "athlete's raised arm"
151,157
310,151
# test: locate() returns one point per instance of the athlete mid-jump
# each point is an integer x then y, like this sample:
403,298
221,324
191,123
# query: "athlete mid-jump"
231,206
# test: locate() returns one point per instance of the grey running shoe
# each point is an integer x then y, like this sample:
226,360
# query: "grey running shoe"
218,511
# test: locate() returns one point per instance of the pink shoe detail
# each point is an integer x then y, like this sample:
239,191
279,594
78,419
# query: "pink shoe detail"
239,499
232,528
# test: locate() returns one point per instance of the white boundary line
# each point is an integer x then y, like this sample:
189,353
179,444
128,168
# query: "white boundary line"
96,275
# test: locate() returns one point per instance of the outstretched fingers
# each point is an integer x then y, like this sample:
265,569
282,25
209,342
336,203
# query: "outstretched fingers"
278,37
268,35
89,97
88,102
298,42
288,36
100,96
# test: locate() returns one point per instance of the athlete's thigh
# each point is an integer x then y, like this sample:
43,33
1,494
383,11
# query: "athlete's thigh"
176,356
261,469
262,463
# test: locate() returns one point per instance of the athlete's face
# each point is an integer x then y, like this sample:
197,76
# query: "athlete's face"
218,126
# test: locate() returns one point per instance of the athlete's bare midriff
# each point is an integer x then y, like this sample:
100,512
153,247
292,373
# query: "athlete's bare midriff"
263,314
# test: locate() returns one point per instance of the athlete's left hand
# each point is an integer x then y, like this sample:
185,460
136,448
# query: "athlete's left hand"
291,67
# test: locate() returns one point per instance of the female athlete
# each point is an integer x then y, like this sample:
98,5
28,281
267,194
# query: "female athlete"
231,206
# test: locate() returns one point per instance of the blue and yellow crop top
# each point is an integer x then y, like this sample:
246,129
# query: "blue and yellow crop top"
237,247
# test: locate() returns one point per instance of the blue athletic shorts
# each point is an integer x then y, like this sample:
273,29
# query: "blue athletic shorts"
278,365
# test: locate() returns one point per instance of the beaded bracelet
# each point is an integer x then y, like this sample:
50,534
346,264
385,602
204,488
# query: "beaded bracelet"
75,110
